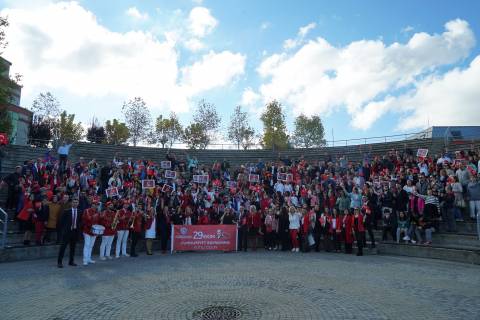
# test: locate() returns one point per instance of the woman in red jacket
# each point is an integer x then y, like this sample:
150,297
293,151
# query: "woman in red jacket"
135,225
359,227
348,230
254,225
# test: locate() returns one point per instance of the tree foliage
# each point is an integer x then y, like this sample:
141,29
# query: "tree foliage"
239,130
207,115
137,119
3,36
65,129
46,106
40,132
309,132
5,120
96,132
167,130
274,127
195,136
116,132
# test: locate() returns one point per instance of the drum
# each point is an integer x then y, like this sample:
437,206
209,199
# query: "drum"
98,229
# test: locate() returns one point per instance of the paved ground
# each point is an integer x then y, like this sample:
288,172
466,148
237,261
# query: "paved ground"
262,285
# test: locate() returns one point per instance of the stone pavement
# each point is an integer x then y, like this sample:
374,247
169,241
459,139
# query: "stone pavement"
253,285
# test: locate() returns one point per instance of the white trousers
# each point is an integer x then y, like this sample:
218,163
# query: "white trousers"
474,208
122,236
88,243
106,246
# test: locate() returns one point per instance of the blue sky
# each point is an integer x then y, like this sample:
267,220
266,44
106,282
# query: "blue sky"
343,65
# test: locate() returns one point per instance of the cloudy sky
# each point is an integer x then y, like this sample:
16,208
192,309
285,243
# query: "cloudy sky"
368,68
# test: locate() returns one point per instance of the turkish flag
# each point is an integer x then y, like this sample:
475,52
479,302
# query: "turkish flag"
3,138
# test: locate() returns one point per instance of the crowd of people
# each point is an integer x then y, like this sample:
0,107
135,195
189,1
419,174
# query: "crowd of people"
287,204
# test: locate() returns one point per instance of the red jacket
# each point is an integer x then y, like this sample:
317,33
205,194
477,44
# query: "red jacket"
137,223
359,223
106,220
89,218
123,219
203,220
254,220
348,225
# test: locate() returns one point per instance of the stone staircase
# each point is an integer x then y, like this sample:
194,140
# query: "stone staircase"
462,246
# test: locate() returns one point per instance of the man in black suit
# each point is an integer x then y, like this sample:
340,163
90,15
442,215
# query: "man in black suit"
70,229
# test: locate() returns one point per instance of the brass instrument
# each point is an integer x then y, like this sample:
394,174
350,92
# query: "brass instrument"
115,220
133,220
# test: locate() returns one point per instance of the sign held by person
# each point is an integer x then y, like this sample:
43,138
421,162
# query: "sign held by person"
169,174
148,184
422,153
166,165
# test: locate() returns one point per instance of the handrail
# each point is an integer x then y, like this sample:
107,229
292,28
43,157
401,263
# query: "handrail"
5,223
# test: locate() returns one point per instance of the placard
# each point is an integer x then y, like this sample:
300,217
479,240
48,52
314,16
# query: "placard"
204,238
287,177
422,153
231,184
167,188
169,174
200,178
148,184
253,178
165,164
112,192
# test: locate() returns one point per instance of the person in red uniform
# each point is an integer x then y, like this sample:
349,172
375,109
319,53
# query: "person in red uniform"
90,217
136,228
106,219
359,228
348,230
124,215
336,230
254,225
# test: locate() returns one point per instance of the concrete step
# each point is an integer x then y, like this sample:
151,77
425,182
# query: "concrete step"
459,254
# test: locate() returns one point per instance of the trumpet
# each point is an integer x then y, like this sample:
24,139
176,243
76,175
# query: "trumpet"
115,221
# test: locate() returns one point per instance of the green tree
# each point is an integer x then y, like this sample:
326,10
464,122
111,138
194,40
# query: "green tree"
274,127
65,129
207,116
137,119
116,132
195,136
46,106
40,132
96,133
239,130
3,35
309,132
167,130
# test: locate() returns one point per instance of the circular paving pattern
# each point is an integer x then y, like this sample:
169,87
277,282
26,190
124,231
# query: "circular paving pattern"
262,285
218,313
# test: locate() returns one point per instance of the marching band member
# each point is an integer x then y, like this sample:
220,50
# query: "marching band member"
135,226
359,228
109,220
89,218
122,231
150,229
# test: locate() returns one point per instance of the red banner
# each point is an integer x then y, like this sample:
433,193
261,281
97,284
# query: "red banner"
204,237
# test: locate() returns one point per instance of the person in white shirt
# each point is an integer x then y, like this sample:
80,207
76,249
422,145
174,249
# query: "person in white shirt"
279,187
294,218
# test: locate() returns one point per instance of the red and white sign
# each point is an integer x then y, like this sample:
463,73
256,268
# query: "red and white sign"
148,184
165,164
285,177
231,184
200,178
3,138
169,174
204,238
253,178
422,153
167,188
112,192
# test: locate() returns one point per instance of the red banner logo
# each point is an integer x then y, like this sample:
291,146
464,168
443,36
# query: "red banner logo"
204,237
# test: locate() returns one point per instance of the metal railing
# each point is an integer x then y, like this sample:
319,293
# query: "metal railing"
4,221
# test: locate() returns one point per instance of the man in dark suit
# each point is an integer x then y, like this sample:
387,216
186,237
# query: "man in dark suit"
70,229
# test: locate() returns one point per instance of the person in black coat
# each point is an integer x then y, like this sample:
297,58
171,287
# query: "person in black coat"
70,229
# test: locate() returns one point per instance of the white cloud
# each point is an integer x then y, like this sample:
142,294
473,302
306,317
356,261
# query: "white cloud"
194,44
134,13
197,1
213,70
71,52
407,29
250,97
301,34
201,22
321,78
